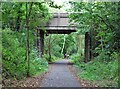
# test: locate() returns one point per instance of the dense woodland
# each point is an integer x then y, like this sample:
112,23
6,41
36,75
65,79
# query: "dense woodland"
94,48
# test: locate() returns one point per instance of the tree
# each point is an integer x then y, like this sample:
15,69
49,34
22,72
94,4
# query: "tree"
99,19
22,18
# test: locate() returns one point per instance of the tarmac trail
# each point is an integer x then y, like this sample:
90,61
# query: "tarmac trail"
60,76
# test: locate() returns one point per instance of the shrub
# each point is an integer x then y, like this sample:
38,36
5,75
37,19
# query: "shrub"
50,59
76,58
100,71
14,56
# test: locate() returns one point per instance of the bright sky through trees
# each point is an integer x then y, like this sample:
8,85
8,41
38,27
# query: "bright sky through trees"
62,3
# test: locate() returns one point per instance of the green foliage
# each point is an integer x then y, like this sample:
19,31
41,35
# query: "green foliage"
14,39
99,17
46,57
101,20
51,58
14,15
100,71
14,59
54,45
13,55
38,65
75,58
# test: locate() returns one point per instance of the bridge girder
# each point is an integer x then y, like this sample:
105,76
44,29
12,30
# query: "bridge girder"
58,29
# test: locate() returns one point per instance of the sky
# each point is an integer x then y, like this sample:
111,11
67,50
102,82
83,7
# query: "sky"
61,2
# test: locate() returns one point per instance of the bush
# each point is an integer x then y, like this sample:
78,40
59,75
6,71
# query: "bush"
37,64
14,56
100,71
46,57
76,58
50,59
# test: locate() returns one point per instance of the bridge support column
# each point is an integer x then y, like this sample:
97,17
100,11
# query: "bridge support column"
37,41
87,47
41,43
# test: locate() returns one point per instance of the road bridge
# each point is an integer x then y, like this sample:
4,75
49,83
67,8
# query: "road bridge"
59,24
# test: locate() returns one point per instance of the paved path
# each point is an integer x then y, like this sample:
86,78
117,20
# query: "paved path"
60,76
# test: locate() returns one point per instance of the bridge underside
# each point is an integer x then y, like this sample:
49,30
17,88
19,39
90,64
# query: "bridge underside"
59,24
60,31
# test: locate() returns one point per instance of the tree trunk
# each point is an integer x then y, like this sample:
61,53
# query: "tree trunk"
63,45
27,37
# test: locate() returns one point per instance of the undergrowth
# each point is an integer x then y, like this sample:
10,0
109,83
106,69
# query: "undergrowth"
103,74
50,59
14,63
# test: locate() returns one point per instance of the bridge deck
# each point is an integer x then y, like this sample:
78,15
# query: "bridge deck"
59,24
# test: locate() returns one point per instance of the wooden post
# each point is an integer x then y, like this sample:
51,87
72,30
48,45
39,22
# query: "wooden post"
41,43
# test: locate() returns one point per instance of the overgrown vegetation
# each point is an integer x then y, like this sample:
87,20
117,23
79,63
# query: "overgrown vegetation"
20,54
14,56
100,20
20,40
100,73
15,40
55,49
